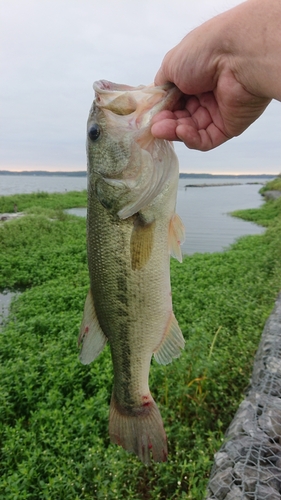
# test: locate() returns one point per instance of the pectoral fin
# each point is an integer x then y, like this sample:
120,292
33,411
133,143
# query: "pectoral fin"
141,243
91,335
176,236
171,344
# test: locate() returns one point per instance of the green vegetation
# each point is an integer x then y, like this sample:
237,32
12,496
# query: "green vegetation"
35,202
274,184
54,411
265,216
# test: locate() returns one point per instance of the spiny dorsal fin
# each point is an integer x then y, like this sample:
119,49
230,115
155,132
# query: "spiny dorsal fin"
176,236
171,344
91,335
141,243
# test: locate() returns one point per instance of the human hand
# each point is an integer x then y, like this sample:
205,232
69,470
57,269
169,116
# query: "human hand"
224,88
208,119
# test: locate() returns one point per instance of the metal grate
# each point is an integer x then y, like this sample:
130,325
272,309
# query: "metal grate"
248,465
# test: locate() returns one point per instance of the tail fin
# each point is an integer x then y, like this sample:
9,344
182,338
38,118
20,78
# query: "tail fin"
139,431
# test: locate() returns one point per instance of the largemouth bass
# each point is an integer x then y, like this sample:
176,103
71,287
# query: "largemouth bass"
132,229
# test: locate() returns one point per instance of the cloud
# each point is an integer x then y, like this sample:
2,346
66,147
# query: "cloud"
53,50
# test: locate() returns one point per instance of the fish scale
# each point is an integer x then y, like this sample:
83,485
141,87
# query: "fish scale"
131,230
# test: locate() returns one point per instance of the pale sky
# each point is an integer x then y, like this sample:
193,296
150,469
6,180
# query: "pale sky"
53,50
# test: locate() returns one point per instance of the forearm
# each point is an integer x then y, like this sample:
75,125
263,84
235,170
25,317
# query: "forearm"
251,34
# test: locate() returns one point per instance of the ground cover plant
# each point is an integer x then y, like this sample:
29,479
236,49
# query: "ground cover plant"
274,184
54,442
35,202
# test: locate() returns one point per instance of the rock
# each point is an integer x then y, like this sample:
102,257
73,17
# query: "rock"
220,483
248,465
222,460
270,422
244,448
273,365
251,477
8,216
235,494
272,194
265,492
244,413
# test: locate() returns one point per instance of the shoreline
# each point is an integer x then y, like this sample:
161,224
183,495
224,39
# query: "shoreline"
223,184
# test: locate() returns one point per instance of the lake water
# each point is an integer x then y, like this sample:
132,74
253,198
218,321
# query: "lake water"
17,184
204,210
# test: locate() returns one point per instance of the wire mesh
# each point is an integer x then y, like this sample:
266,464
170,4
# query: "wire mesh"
248,465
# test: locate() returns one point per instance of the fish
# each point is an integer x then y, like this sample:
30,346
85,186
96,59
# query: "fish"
132,229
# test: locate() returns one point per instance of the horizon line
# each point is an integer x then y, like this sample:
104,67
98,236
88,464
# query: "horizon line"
180,172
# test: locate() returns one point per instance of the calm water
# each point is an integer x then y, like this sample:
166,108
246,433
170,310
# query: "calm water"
16,184
204,211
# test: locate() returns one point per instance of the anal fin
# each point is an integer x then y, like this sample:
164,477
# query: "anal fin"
171,344
176,236
91,335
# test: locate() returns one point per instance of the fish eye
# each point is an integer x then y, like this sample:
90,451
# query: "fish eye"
94,132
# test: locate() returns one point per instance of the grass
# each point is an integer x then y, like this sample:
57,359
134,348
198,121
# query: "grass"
35,202
54,411
265,216
275,184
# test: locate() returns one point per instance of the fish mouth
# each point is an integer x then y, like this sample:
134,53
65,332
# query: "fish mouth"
104,86
117,98
144,99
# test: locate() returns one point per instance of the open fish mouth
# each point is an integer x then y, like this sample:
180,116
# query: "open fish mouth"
124,99
105,85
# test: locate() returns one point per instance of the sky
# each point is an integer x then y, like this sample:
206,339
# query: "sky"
51,52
